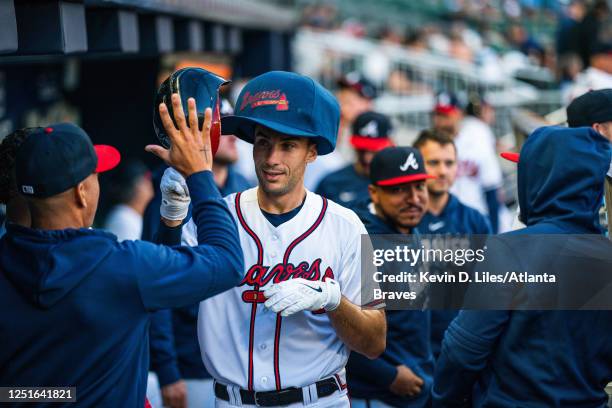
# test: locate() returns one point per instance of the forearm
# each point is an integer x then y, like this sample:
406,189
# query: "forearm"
167,234
364,331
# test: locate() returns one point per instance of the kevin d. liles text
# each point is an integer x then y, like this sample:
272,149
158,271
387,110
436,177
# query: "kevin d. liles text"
477,277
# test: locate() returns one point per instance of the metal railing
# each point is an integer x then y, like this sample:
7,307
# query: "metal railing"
407,80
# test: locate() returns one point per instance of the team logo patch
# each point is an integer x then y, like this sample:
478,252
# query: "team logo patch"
370,129
265,98
410,162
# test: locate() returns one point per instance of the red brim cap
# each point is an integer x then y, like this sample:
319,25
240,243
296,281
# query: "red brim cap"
511,156
404,179
369,143
108,158
446,109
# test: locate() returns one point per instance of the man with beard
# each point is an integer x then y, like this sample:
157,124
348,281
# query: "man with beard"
478,171
445,213
402,375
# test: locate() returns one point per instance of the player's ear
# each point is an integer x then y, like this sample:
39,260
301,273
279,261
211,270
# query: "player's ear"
312,152
373,193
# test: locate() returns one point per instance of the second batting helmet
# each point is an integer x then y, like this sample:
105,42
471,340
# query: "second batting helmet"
195,83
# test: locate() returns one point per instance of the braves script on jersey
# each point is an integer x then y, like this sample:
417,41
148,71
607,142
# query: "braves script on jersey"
245,344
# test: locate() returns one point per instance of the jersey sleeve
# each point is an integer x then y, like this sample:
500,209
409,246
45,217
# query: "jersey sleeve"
358,292
190,234
490,169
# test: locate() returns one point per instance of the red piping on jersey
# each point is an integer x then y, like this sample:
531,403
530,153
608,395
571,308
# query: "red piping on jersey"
307,233
277,332
256,289
342,386
249,231
279,318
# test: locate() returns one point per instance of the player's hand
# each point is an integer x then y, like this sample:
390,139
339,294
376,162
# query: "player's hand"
175,395
175,196
299,294
190,150
406,382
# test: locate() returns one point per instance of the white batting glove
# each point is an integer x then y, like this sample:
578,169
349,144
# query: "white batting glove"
295,295
175,196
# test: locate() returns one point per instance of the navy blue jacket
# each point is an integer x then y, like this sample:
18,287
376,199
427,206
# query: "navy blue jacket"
75,303
344,186
455,218
538,358
175,351
408,344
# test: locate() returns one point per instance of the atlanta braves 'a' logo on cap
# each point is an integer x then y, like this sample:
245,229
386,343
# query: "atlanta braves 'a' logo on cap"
410,162
265,98
370,129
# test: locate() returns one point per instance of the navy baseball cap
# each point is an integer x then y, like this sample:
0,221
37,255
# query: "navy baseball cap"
447,103
592,107
287,103
397,165
371,132
56,158
359,84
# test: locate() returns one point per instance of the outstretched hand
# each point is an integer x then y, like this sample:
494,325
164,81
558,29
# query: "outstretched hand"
190,150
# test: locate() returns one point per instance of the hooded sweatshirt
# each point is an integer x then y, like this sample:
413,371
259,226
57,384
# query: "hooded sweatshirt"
75,303
408,343
538,358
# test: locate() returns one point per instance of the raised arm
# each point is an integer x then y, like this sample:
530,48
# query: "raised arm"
181,276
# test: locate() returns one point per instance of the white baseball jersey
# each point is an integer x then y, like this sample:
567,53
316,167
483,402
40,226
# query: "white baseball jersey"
246,345
478,169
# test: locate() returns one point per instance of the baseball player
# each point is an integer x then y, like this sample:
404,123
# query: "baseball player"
478,171
402,375
445,213
370,134
355,95
282,336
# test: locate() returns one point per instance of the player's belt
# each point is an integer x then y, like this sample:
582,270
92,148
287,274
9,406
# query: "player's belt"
275,398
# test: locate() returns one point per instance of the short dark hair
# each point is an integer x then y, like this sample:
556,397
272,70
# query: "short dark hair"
431,135
8,154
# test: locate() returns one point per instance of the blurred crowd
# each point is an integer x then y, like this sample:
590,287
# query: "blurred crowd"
500,37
